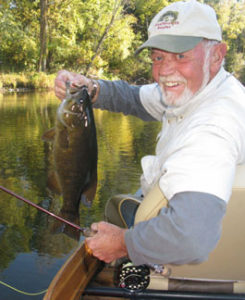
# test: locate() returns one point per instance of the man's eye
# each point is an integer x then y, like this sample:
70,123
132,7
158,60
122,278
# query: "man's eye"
157,59
180,56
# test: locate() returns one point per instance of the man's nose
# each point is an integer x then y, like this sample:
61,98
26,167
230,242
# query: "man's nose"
168,67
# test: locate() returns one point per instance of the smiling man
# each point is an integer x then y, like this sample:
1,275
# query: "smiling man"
181,75
202,109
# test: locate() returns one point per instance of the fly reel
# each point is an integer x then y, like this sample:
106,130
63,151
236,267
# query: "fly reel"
133,278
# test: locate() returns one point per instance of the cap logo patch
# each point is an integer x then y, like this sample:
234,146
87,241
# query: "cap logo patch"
167,20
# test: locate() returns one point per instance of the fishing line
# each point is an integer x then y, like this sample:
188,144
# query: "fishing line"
22,292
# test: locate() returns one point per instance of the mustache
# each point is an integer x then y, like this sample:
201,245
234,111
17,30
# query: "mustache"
172,78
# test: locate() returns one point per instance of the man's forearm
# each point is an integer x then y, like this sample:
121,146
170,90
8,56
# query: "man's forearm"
119,96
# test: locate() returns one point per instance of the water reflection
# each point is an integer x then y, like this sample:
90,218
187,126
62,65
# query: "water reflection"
31,251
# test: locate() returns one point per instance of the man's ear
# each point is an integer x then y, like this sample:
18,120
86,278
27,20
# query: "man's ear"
217,56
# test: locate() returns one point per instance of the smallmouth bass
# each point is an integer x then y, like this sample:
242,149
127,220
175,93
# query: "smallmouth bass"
74,150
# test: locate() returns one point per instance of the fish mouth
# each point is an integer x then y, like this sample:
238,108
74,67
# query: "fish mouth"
63,111
74,104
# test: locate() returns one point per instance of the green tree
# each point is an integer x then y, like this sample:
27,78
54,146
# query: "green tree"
98,37
18,47
43,36
231,16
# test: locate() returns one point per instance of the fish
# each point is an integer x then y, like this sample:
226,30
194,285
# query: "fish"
74,150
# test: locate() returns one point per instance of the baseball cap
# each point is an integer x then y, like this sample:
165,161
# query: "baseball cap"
180,26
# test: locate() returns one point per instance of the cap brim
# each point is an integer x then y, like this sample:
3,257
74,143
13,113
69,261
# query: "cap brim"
171,43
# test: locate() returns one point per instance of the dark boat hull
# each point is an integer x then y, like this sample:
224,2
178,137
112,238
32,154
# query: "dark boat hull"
116,293
102,287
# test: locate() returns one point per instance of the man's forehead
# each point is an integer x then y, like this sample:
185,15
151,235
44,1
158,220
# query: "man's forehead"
159,51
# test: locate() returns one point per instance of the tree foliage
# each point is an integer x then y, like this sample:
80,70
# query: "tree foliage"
231,17
97,36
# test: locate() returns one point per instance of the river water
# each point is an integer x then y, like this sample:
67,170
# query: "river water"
30,251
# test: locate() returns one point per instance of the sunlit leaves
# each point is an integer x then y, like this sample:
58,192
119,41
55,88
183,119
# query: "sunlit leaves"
80,34
231,16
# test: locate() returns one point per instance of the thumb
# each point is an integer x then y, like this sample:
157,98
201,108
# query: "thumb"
94,227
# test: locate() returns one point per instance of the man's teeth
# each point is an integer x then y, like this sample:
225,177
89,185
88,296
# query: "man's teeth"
170,84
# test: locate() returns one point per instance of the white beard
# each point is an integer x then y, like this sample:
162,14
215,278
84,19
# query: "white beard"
170,99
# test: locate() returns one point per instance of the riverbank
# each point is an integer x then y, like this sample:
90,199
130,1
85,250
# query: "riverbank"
18,82
35,81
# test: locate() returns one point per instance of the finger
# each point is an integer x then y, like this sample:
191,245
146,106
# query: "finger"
64,75
60,84
88,250
95,227
60,93
77,80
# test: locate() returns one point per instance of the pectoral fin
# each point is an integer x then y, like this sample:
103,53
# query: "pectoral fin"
89,193
48,136
53,183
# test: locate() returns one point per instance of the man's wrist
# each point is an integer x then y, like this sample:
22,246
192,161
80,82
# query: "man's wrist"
124,247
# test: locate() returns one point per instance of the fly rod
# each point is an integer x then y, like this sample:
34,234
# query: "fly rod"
85,230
